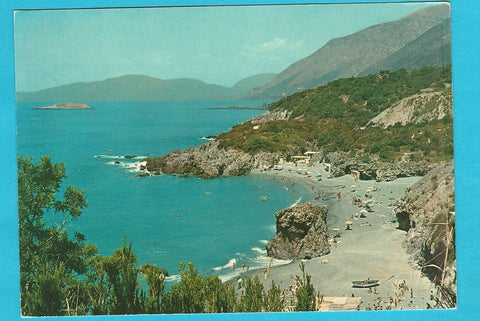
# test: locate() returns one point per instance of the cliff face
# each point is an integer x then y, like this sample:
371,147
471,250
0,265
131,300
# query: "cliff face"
301,232
427,213
423,107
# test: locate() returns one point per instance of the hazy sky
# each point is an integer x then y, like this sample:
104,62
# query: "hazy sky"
218,45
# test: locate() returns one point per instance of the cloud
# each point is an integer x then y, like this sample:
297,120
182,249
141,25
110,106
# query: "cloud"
277,46
272,45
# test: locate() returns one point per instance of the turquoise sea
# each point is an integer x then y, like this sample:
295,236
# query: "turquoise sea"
168,219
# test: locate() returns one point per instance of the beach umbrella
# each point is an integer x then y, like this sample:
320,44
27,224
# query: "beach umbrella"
349,222
336,229
363,211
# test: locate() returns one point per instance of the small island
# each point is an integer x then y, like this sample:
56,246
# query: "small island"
65,106
239,107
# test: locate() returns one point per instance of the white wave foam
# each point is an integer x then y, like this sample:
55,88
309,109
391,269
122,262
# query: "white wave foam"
296,202
131,167
258,250
173,278
228,276
118,157
228,265
263,261
263,241
108,156
207,138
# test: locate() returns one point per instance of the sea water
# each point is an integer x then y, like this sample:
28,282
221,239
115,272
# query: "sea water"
169,219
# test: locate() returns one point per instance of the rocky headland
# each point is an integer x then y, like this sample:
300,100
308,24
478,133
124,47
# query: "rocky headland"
65,106
301,233
208,161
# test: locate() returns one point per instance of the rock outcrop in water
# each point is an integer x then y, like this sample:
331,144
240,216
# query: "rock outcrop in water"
427,213
301,232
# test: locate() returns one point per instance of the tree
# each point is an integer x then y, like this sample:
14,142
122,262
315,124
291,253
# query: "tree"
305,293
47,253
155,278
219,297
188,295
122,272
273,300
252,298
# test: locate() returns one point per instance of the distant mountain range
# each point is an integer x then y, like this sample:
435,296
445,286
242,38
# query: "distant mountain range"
145,88
418,39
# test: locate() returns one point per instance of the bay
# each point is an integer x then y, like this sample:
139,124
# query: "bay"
168,219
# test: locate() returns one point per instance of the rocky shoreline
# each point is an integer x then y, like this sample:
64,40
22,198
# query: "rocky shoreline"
209,160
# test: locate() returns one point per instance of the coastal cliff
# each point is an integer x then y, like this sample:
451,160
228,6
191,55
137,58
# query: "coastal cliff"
427,213
301,233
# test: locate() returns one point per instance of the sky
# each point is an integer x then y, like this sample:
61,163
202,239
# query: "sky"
216,44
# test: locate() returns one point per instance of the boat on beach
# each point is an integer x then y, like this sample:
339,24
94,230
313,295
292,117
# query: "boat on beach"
365,283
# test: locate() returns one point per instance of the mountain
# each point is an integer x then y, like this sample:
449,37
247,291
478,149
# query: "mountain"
352,55
144,88
433,48
243,87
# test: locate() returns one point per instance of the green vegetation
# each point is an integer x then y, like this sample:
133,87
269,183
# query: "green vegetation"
64,276
334,118
305,293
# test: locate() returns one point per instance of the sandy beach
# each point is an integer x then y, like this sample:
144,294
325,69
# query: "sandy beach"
372,248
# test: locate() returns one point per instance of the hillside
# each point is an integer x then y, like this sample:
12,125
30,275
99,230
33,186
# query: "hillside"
423,107
433,48
334,118
369,49
333,121
144,88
